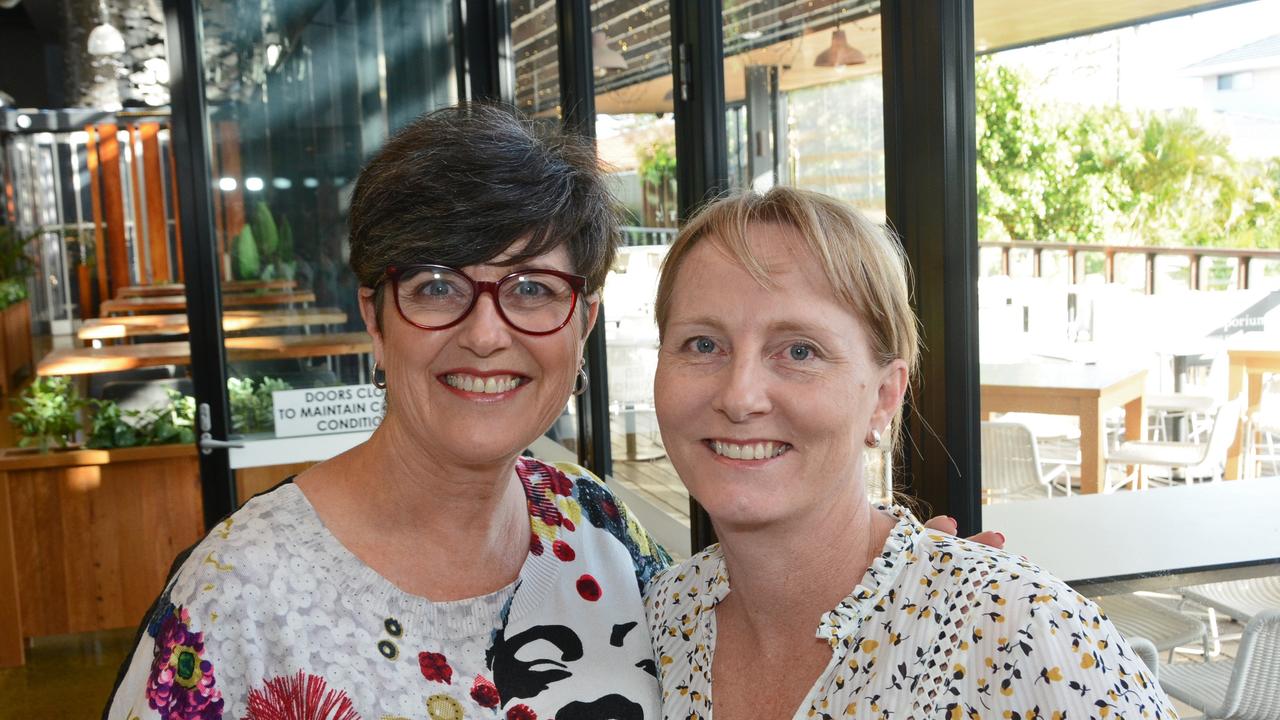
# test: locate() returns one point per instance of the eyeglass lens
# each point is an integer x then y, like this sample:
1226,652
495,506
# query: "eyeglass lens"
532,301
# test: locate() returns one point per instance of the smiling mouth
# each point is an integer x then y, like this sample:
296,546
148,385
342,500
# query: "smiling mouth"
491,385
763,450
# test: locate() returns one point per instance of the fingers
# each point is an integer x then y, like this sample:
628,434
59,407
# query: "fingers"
942,523
990,537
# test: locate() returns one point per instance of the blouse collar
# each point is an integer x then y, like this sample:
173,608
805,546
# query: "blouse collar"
847,617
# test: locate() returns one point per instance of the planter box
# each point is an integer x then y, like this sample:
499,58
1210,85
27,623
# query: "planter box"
87,537
15,344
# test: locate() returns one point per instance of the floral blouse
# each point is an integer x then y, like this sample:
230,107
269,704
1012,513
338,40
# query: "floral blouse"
270,617
938,628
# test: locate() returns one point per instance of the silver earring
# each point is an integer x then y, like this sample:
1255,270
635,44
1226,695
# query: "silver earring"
583,381
874,440
379,377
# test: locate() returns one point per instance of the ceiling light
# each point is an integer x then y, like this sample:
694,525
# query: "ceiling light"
227,184
752,35
603,56
840,53
105,39
253,184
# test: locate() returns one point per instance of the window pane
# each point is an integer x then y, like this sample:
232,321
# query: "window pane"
1143,358
300,94
636,139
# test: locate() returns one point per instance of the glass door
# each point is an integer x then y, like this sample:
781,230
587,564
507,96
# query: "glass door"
298,94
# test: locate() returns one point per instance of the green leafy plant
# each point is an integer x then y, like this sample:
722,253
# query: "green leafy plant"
245,262
14,260
1059,173
264,230
171,423
48,413
12,291
252,408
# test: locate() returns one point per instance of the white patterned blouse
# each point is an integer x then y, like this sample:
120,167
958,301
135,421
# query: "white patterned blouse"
939,627
271,617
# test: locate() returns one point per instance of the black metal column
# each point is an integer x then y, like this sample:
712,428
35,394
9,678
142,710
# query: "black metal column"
486,65
702,168
931,201
190,140
578,113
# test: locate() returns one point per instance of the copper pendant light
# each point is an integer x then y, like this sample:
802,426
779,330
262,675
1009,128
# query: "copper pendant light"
840,53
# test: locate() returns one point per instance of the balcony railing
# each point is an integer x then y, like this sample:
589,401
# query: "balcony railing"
633,235
1246,261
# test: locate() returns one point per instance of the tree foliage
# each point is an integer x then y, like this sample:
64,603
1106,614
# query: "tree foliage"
1111,175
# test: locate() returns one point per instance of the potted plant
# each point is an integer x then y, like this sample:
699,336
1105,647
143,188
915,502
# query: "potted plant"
105,520
49,414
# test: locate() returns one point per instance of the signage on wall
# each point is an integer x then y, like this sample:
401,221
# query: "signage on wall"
328,410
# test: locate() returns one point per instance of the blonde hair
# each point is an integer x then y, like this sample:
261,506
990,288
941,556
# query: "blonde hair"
862,261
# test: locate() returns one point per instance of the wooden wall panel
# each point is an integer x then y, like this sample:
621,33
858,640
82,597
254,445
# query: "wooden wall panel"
232,201
115,256
12,645
153,185
251,481
93,544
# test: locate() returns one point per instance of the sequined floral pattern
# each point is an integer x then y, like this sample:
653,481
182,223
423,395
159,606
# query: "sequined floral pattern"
284,611
181,685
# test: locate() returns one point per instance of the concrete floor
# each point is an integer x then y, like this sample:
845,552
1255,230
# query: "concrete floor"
66,678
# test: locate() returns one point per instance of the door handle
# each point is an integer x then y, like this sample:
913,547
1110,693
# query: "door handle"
208,444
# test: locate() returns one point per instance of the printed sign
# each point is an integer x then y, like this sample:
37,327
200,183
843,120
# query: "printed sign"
321,411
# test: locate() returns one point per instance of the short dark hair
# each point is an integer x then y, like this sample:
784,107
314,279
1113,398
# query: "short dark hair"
459,185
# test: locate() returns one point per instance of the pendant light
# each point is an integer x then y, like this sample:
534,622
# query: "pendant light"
603,56
105,39
840,54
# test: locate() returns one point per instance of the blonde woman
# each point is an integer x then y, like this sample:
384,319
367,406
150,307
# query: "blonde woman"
787,344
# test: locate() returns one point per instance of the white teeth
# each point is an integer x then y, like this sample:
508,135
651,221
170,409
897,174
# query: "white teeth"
757,451
485,386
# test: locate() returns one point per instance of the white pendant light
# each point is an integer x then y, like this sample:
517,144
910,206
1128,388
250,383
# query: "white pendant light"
840,54
105,39
603,56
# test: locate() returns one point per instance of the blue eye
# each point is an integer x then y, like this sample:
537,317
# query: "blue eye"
437,288
704,345
800,352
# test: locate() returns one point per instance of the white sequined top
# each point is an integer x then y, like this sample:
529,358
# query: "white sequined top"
271,617
939,627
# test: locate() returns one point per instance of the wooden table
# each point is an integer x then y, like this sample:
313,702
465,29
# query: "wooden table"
179,302
127,326
113,358
231,286
1086,391
1247,360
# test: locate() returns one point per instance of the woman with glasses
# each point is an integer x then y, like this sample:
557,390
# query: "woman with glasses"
787,344
432,571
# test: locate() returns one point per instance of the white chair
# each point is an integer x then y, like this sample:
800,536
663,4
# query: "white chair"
1193,409
1011,465
1162,626
1262,433
1239,600
1146,652
1195,459
1246,687
1262,438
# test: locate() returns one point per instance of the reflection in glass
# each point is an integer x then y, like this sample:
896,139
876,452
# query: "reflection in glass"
299,94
